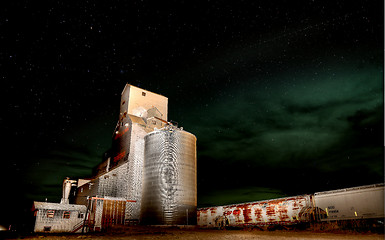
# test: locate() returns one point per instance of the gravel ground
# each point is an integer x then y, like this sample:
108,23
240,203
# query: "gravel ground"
175,233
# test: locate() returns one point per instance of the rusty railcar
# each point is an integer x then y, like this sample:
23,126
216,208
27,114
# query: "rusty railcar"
282,211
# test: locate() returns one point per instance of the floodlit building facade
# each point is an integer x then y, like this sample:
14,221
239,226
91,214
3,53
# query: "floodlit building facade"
142,138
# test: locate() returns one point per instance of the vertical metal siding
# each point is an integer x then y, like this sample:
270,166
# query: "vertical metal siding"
113,213
169,191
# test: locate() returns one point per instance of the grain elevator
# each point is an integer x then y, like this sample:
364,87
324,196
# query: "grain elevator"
148,176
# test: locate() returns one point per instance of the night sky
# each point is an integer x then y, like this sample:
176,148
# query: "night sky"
284,97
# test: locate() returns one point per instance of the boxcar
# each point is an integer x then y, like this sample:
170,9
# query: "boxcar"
282,211
351,203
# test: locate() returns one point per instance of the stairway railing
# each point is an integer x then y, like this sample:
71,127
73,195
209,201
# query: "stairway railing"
77,226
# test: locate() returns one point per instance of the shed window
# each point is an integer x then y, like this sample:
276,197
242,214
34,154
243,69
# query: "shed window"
143,94
81,215
47,229
50,213
67,214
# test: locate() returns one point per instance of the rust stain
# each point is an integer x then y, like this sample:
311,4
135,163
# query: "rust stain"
236,212
213,210
246,214
270,210
274,202
226,213
282,213
258,214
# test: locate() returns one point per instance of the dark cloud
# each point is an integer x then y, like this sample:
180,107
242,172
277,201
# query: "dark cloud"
238,195
51,168
326,126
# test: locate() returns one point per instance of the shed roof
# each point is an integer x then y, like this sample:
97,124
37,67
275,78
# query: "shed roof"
58,206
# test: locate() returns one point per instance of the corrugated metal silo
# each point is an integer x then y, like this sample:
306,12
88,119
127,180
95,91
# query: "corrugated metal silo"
169,186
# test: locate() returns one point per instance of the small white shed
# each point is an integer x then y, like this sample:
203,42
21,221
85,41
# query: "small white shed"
56,217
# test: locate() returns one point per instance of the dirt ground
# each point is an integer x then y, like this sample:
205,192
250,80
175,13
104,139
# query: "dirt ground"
181,233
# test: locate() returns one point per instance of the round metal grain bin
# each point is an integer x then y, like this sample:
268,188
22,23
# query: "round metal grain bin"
169,178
